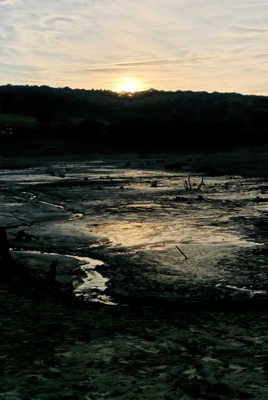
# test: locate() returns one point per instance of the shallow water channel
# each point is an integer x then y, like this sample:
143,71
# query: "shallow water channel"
156,231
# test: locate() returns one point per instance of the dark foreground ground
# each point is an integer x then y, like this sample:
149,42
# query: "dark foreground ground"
51,350
56,347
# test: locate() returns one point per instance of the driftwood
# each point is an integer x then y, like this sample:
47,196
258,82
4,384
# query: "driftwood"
202,183
189,187
187,184
181,252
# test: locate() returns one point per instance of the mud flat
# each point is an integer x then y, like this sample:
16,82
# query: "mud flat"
174,282
158,234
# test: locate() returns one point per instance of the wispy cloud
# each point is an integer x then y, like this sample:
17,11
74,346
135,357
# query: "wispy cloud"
242,29
131,65
53,24
7,51
19,68
262,55
164,62
169,44
7,2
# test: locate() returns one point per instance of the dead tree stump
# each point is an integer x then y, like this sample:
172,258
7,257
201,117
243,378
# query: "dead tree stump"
51,275
6,260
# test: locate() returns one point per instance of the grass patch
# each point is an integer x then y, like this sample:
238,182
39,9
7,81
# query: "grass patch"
15,121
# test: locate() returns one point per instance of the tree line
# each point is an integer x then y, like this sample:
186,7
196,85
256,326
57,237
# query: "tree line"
150,119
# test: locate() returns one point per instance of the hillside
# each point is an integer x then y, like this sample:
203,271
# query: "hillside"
150,120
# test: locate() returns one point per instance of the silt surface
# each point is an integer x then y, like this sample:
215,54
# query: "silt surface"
169,278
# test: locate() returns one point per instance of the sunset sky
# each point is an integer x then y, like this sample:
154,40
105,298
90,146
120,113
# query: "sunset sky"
208,45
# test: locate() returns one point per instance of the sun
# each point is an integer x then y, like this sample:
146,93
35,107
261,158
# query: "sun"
129,85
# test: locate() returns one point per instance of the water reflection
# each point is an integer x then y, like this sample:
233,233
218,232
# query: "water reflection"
120,207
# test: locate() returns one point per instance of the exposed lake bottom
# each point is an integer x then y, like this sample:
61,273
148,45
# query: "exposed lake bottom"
156,234
168,286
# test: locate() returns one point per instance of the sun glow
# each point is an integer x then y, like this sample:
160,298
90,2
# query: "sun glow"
129,85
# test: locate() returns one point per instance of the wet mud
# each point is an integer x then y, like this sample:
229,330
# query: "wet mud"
150,258
158,234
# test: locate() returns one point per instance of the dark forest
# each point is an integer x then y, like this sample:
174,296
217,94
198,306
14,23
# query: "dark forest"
151,119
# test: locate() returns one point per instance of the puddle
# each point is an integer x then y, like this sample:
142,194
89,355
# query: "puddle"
75,216
93,283
157,240
250,292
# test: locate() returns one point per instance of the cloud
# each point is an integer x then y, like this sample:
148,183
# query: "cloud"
250,4
7,34
194,44
54,20
19,68
7,2
242,29
262,55
130,65
164,62
96,69
53,24
7,51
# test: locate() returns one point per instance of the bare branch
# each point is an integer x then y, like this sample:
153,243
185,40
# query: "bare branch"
181,252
